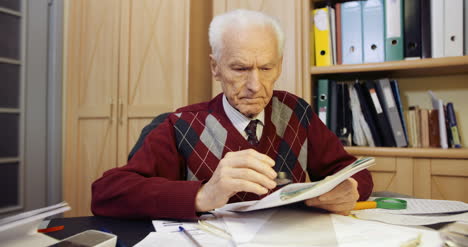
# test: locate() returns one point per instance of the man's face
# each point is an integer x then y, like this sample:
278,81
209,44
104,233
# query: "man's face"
248,68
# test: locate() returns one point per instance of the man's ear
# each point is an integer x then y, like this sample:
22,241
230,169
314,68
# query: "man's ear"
214,67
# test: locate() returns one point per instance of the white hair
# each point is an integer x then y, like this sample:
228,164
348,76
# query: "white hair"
241,18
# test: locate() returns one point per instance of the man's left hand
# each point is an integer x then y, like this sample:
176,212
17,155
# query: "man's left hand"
340,200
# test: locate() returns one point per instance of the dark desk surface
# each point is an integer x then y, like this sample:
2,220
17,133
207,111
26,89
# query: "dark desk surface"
129,232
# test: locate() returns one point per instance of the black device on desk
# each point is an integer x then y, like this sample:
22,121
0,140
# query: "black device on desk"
129,232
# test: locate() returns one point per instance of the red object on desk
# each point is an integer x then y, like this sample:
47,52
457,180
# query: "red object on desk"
51,229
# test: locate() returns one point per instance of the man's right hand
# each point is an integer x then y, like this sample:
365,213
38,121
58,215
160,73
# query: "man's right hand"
241,171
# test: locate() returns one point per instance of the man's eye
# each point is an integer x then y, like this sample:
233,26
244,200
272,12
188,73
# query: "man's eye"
241,69
265,69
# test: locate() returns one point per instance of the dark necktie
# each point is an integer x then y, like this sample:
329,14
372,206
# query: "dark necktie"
251,131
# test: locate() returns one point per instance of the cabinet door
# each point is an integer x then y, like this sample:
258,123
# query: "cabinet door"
442,179
393,174
153,65
91,62
290,15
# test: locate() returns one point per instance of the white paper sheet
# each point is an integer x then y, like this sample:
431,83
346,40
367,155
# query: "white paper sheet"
425,206
410,220
351,232
168,234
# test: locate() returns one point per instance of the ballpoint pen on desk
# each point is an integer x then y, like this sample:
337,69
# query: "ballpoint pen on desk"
119,243
189,236
383,202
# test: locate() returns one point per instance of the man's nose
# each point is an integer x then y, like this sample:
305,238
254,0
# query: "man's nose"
253,82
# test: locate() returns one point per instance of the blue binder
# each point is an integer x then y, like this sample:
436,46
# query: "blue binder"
373,31
351,32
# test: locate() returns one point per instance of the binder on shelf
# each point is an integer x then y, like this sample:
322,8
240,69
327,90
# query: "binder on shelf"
412,10
434,136
377,109
437,28
332,104
366,112
362,135
384,91
452,122
344,117
394,30
453,27
322,37
466,27
396,95
351,36
331,12
373,31
322,100
339,59
426,29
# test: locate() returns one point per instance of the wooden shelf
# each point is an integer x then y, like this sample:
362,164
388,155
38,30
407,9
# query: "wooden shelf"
453,153
420,67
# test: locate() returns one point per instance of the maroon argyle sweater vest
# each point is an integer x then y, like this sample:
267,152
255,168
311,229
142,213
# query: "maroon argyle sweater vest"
204,135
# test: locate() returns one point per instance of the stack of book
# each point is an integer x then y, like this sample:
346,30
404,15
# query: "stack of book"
355,32
370,113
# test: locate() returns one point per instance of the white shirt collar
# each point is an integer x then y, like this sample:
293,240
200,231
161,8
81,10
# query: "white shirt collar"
240,121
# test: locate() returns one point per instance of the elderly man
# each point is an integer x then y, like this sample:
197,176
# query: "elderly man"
231,148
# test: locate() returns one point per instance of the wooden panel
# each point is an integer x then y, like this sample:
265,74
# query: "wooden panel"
449,188
91,62
289,14
156,73
95,154
450,167
422,179
393,174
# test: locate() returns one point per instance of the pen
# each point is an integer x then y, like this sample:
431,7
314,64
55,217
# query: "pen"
119,243
194,241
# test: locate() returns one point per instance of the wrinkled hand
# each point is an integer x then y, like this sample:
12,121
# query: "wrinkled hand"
340,200
241,171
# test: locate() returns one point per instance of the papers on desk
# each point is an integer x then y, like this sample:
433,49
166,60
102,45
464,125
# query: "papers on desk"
167,234
21,229
289,226
301,191
419,212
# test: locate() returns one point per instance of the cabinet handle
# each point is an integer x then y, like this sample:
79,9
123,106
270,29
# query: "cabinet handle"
120,111
111,118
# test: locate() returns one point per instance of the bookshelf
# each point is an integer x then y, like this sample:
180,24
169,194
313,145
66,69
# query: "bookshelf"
421,172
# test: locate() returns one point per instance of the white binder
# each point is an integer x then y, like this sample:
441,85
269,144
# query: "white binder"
437,28
373,31
453,27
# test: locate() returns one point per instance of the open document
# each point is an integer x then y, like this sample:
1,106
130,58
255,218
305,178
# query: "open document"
301,191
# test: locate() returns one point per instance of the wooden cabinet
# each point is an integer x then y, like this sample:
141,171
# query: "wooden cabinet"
423,173
126,62
292,16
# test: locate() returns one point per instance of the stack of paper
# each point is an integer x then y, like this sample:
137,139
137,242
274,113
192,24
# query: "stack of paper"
21,229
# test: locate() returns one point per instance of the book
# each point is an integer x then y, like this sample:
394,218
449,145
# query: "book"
453,126
434,138
297,192
424,127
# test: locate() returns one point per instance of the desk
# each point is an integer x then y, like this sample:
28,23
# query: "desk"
131,232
